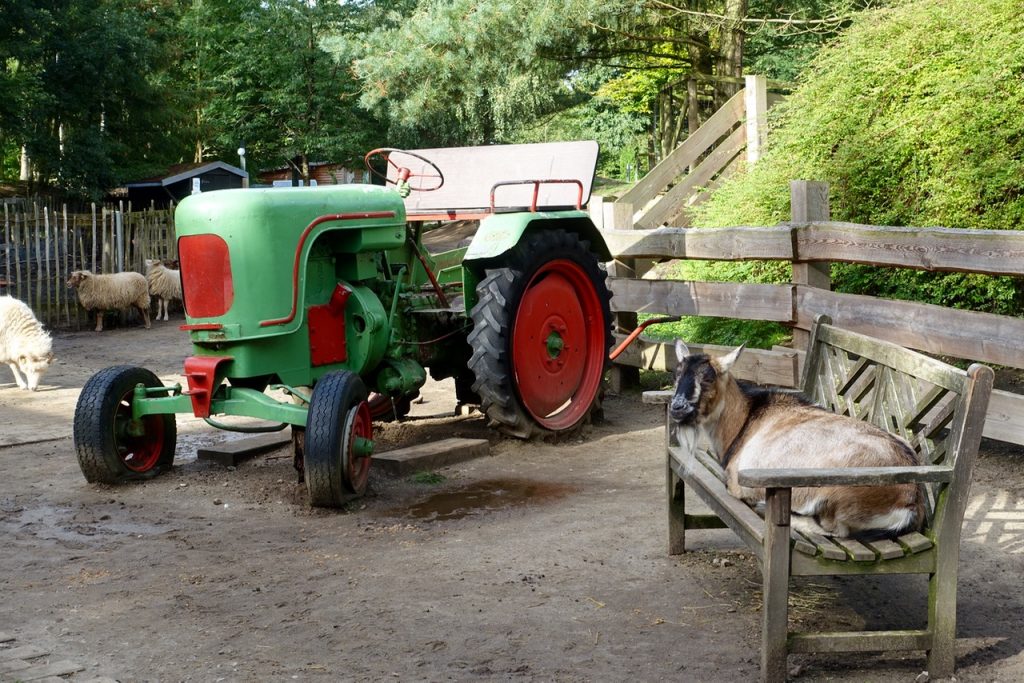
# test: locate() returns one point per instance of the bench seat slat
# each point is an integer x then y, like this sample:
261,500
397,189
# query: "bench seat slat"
886,549
828,549
802,544
914,542
857,551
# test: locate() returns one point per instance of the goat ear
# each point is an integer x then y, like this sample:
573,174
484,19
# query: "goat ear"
726,362
682,351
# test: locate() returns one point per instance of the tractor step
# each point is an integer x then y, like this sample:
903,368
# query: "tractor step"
230,453
429,456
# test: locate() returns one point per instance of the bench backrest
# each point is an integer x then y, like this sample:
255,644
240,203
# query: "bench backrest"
937,408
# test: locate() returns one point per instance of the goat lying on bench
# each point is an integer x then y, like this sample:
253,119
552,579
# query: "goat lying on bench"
937,409
751,427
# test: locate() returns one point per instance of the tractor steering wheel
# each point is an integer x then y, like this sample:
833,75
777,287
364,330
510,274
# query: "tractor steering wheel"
404,173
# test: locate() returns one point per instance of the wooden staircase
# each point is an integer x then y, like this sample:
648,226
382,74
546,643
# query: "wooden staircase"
704,160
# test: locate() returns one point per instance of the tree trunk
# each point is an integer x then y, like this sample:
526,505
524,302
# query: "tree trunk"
730,52
664,123
25,164
652,146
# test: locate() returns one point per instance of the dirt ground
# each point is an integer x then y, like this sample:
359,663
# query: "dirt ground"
540,562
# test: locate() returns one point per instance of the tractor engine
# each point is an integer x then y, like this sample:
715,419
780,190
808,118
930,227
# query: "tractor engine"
277,282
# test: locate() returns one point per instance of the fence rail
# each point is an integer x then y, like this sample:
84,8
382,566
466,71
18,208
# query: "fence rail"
709,155
810,242
43,244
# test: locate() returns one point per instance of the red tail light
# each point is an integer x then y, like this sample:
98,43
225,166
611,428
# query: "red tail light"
205,275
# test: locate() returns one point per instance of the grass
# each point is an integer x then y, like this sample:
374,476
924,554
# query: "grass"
428,478
610,188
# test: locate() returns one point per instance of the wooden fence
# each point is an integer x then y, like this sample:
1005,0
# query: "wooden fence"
810,242
43,244
708,156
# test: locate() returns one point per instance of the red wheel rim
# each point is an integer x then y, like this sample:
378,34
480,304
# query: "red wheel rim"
138,453
357,466
380,405
558,345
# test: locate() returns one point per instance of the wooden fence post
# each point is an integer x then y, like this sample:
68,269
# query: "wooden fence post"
169,223
755,100
9,247
38,300
620,217
18,242
808,202
93,252
69,244
119,238
44,267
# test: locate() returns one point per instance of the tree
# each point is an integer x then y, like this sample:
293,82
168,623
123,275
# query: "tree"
259,76
90,110
466,71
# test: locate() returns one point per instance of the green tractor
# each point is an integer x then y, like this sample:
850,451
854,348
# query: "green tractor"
323,310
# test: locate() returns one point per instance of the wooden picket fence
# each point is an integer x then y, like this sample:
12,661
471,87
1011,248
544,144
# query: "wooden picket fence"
43,244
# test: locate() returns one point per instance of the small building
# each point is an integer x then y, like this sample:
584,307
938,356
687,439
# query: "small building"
322,172
181,180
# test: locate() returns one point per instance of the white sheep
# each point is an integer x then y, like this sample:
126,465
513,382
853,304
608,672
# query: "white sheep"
114,291
24,344
164,284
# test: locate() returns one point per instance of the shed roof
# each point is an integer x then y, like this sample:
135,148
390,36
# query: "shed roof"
180,172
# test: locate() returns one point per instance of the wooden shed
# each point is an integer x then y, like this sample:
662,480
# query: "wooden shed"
181,180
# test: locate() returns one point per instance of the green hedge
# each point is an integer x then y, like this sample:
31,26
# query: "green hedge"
914,116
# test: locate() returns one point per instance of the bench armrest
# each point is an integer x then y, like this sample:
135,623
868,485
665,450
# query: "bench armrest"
844,476
658,396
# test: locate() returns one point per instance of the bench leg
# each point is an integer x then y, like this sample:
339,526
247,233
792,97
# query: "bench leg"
775,576
942,615
676,511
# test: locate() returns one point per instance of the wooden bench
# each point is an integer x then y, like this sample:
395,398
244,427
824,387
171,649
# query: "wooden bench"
939,409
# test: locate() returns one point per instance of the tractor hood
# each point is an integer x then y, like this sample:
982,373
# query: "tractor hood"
245,253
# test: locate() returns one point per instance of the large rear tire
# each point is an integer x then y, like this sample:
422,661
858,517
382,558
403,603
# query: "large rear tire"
110,447
339,432
541,334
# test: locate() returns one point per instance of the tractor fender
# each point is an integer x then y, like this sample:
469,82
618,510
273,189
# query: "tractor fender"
499,233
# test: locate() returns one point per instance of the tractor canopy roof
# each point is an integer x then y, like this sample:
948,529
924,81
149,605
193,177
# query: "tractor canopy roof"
501,177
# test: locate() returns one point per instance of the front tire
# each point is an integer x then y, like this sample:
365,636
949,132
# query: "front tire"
338,440
541,334
110,446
